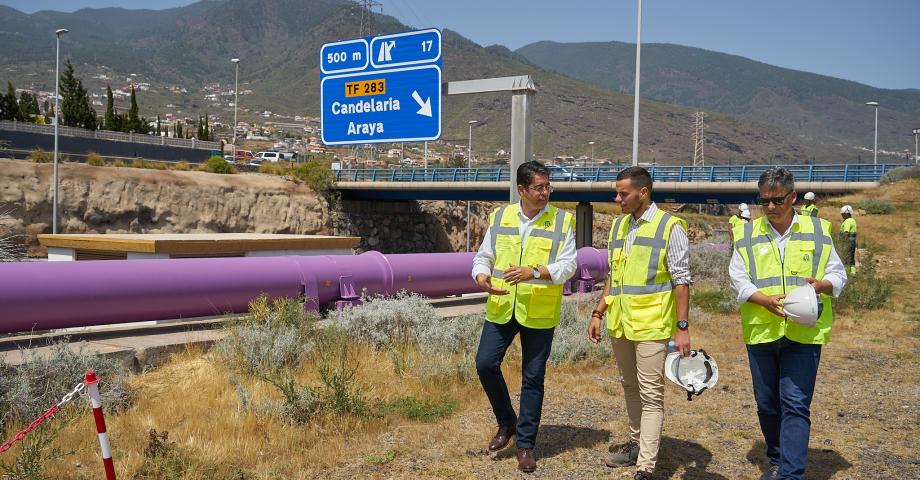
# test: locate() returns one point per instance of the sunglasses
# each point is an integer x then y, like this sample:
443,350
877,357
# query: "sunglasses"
766,201
542,188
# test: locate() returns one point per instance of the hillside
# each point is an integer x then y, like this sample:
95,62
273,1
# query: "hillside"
814,106
278,40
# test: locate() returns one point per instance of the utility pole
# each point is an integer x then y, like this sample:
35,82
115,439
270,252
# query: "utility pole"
57,121
635,152
367,16
916,152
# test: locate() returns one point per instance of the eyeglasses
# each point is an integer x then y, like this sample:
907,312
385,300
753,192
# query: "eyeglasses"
766,201
542,188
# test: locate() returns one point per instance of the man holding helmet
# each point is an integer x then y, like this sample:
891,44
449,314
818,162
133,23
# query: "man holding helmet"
772,256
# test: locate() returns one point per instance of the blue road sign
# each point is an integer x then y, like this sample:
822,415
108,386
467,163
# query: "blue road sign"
381,89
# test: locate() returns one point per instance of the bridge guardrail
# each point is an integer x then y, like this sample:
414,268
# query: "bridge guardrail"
108,135
861,172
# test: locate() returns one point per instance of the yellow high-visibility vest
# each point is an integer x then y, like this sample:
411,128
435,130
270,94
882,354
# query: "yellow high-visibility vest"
849,226
734,220
806,254
535,303
809,210
641,304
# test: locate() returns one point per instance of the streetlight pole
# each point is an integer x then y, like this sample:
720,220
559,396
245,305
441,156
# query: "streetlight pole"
875,149
916,152
592,154
469,165
236,101
635,152
57,115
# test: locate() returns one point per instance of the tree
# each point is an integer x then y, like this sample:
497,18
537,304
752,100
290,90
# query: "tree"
134,123
200,133
110,119
158,125
178,129
9,109
76,110
46,107
28,106
207,129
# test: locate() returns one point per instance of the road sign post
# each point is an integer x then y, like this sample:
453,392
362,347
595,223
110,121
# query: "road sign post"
382,89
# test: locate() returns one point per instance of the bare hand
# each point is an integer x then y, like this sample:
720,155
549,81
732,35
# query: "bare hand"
516,274
682,342
821,286
485,283
594,330
774,303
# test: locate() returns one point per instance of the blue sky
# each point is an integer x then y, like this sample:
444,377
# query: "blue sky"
876,42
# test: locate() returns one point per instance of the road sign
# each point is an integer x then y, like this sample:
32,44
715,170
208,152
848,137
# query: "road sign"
381,89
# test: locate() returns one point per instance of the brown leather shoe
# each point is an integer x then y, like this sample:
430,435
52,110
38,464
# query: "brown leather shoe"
527,463
501,438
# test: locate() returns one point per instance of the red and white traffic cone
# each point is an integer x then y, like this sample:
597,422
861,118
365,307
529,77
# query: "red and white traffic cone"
92,387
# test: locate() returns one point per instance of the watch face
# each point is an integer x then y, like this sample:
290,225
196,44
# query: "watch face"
683,325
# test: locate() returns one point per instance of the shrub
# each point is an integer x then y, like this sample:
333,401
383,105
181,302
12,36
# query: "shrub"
714,301
570,341
317,176
709,265
876,206
118,163
93,158
40,156
901,173
181,165
865,289
217,164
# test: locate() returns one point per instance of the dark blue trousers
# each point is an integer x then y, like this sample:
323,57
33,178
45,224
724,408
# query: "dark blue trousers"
535,347
784,375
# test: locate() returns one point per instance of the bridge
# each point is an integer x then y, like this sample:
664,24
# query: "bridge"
673,183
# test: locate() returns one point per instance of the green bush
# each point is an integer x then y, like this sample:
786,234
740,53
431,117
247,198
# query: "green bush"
875,206
181,165
40,156
714,301
901,173
93,158
865,290
710,265
425,410
317,175
570,340
217,164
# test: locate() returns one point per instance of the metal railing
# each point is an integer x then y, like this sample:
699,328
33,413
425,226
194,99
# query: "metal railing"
108,135
860,172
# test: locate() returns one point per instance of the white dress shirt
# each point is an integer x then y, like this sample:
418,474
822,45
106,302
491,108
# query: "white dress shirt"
559,271
834,272
678,258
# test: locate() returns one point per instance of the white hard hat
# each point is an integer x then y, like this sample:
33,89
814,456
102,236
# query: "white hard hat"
743,206
746,214
846,209
802,306
693,373
810,196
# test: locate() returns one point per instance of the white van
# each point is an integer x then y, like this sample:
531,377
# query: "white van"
269,156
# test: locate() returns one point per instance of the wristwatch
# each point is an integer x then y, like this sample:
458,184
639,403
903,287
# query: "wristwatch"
536,271
683,325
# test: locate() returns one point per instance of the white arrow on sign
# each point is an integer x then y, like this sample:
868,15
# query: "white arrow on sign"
425,106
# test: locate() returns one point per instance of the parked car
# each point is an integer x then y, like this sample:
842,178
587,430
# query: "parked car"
566,174
270,156
255,162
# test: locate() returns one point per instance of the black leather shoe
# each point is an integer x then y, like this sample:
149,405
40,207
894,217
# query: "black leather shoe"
527,463
501,438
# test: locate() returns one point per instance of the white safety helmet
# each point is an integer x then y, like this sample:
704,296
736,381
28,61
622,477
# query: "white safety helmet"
846,209
743,207
694,373
810,196
746,214
802,306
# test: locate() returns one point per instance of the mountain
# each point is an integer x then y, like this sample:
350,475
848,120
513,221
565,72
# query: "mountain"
279,40
814,106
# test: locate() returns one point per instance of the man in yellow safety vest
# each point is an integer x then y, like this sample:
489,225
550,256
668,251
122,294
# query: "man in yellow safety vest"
772,256
848,228
809,208
527,253
646,301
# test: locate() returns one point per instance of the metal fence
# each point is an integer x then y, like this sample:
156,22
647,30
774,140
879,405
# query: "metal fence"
108,135
660,173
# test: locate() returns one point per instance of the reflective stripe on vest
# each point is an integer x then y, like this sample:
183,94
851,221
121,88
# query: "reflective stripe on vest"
641,303
806,254
535,303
